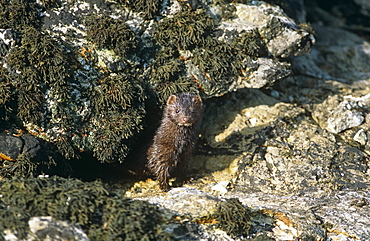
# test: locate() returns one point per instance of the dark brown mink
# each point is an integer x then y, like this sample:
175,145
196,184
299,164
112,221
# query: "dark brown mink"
174,139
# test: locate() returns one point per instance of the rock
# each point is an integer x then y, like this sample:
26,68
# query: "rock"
361,137
85,85
337,115
11,146
365,7
274,26
8,39
268,165
186,201
45,228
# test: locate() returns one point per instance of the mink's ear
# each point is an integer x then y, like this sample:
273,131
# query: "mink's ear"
198,99
171,100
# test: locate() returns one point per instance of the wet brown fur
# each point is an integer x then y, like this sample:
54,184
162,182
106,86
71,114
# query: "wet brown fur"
174,140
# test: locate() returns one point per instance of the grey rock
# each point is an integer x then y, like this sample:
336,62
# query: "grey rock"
365,7
45,228
75,123
340,54
8,39
337,115
187,201
283,36
342,119
13,145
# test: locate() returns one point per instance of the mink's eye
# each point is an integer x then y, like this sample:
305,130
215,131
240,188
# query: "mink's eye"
177,111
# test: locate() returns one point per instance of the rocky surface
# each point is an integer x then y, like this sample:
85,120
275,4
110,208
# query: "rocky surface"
287,162
85,75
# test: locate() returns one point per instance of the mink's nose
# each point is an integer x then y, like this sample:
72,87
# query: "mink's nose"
185,119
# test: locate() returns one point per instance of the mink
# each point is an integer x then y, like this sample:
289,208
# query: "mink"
174,139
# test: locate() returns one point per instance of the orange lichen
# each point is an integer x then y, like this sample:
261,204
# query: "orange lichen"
5,157
85,53
284,219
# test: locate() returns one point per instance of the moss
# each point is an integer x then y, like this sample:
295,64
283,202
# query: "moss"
17,14
234,218
185,30
103,216
118,105
147,8
113,34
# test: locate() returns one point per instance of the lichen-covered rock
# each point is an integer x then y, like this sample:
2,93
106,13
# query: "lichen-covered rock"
80,72
45,228
337,115
266,166
282,36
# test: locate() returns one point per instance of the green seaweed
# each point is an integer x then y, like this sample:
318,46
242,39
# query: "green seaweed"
148,8
185,30
251,43
5,92
18,14
118,105
167,75
218,60
102,215
234,218
41,63
43,69
113,34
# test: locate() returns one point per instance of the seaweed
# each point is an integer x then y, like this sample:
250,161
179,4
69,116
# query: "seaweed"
118,106
41,63
5,92
148,8
18,14
113,34
49,4
167,75
234,218
251,43
218,60
102,215
41,73
185,30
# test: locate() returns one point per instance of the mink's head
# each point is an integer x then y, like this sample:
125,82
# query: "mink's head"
184,109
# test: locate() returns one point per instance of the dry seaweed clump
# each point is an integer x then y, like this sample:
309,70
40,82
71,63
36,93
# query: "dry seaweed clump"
113,34
118,104
102,215
185,30
17,14
234,218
